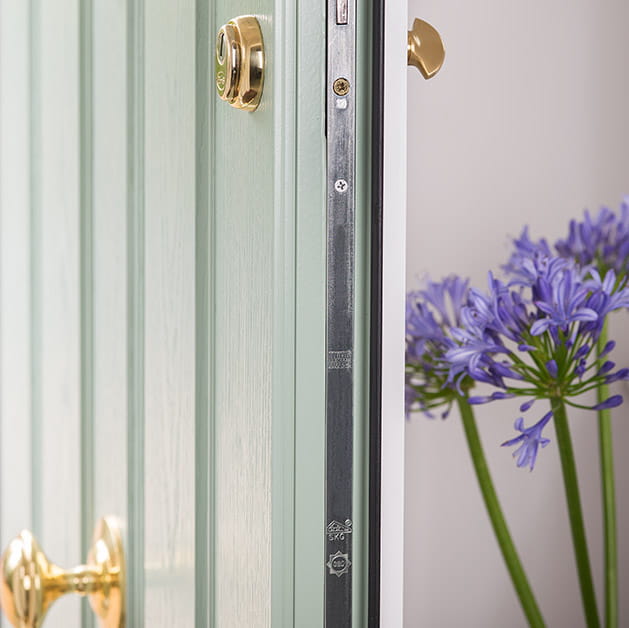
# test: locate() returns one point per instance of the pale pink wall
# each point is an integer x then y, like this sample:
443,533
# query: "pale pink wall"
528,122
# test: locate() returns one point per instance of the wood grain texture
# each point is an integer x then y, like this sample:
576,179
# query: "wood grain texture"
15,304
243,258
136,310
282,49
310,319
109,145
204,324
170,313
58,259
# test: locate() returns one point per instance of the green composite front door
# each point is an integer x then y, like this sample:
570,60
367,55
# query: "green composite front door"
163,307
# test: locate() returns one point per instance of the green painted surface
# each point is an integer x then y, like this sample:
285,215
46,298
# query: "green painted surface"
246,257
310,318
269,234
228,207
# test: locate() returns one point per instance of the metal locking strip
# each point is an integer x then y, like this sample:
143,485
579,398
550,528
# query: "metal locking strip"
341,198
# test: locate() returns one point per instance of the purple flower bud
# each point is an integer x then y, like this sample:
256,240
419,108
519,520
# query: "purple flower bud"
524,347
618,375
606,368
582,352
505,371
607,348
501,395
551,367
580,367
527,405
613,402
476,401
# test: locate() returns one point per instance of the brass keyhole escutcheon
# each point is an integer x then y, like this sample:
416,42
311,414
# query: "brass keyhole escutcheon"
30,583
239,60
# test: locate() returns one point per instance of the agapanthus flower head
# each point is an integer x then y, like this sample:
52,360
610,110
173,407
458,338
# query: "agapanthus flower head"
601,241
537,339
431,314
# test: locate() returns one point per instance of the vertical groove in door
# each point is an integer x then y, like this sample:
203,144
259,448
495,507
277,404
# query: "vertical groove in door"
15,254
135,332
284,323
212,363
203,351
310,304
86,161
375,318
35,266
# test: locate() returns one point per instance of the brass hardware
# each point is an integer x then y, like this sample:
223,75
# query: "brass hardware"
30,583
240,63
425,48
341,87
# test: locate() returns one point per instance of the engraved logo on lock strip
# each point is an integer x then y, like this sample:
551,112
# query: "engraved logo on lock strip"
339,564
339,360
336,530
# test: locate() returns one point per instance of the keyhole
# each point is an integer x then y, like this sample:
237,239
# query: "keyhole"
220,48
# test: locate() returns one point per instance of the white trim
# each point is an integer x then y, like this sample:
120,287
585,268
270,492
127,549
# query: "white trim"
393,315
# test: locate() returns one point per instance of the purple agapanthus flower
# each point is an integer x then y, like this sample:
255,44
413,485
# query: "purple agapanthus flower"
431,314
533,336
529,440
602,241
537,338
527,258
566,304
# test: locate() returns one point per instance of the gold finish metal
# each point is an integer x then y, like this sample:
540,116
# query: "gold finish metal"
425,48
30,583
240,63
341,87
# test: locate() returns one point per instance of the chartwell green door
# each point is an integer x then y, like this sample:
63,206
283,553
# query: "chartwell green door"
163,303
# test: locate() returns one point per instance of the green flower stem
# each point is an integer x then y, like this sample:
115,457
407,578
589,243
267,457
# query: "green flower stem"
575,512
509,553
609,500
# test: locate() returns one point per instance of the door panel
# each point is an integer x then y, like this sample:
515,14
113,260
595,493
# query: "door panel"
163,286
15,268
169,219
244,264
56,288
105,115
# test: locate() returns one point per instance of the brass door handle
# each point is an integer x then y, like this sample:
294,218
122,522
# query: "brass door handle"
425,48
30,583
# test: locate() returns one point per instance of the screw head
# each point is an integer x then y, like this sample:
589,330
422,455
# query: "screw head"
341,86
340,185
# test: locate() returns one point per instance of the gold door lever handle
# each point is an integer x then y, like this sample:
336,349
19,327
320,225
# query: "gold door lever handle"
30,583
425,48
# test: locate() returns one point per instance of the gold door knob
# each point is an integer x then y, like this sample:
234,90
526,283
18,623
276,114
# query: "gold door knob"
30,583
425,48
